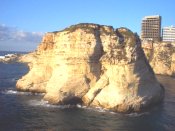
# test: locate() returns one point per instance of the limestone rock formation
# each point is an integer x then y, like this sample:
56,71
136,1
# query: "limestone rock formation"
9,58
94,65
161,57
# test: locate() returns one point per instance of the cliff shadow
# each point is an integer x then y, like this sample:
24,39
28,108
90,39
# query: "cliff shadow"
147,83
95,64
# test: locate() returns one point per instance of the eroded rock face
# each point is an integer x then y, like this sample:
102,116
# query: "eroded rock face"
94,65
161,57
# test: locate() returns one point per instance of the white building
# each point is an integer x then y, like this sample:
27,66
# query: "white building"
168,34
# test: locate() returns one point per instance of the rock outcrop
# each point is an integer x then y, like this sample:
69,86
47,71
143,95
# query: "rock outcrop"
94,65
9,58
161,56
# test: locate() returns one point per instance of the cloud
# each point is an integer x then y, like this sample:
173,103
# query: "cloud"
13,38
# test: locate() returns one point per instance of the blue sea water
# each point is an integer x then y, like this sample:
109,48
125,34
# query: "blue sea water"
27,111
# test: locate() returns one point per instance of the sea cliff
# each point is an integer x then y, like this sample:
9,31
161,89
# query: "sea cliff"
94,65
161,56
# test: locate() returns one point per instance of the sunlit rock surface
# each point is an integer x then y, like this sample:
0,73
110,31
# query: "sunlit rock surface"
94,65
161,56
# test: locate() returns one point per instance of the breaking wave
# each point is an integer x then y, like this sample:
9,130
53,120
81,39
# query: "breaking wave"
99,109
43,103
14,92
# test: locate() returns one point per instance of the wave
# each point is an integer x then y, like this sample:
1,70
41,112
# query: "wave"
7,56
43,103
98,109
102,110
14,92
135,114
2,57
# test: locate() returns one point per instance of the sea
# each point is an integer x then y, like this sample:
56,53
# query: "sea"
25,111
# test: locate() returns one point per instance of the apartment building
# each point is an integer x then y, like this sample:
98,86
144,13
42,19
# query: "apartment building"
168,34
151,28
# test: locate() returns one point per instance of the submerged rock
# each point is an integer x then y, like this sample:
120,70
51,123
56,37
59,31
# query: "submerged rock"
94,65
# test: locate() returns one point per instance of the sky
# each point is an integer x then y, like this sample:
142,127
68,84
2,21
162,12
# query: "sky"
24,22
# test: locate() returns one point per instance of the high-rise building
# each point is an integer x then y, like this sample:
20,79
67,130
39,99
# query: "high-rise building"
151,28
168,34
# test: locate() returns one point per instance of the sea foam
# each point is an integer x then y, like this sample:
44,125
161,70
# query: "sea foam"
42,103
14,92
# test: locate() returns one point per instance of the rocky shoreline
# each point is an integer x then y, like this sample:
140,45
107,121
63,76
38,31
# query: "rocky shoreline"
10,58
